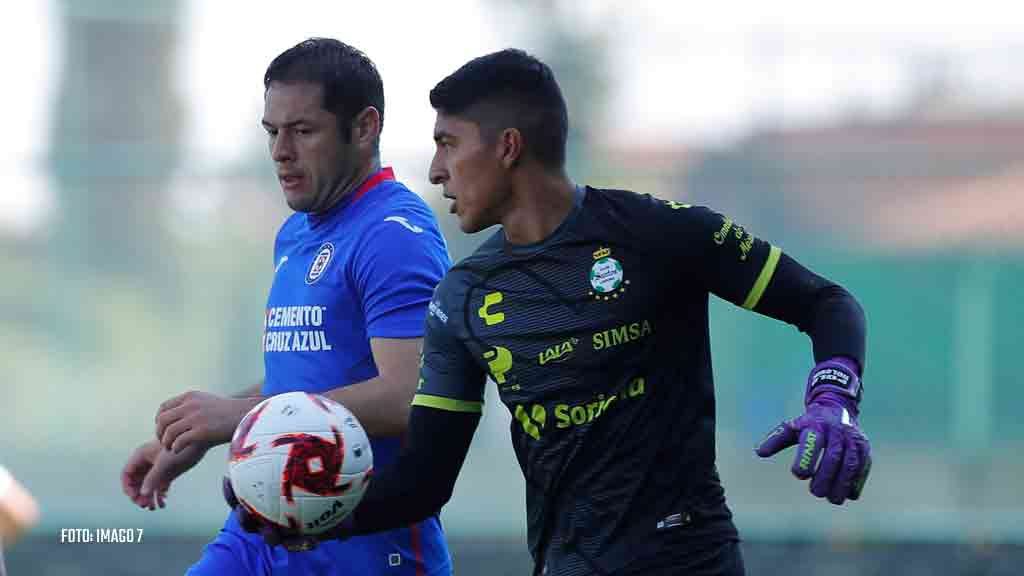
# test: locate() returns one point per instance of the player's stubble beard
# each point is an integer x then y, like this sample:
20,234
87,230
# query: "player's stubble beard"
319,201
483,203
337,187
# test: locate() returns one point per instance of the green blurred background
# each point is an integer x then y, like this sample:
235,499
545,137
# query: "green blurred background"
881,146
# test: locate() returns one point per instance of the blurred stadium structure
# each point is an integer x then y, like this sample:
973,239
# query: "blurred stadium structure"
147,277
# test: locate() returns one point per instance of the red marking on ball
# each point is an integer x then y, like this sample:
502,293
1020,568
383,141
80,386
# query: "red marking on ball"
304,449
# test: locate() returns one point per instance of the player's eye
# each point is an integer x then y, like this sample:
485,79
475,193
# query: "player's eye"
303,131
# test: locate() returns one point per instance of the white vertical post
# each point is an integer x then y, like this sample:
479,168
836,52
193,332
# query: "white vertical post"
973,330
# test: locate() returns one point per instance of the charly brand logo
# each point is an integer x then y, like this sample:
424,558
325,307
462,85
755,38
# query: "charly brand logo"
320,262
489,316
606,276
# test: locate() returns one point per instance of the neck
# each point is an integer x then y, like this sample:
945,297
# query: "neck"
539,204
347,186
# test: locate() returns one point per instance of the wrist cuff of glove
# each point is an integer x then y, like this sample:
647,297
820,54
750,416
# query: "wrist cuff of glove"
835,375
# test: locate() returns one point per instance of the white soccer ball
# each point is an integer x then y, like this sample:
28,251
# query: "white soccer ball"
301,461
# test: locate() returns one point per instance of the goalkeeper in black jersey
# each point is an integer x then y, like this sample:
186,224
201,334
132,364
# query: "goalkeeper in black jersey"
588,308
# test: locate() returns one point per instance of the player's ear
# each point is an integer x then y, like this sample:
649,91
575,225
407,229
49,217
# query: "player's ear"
510,147
366,126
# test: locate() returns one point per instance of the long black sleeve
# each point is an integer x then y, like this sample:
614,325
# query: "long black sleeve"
730,262
822,309
421,481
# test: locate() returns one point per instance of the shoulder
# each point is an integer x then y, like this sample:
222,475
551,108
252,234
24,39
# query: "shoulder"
459,281
614,209
288,229
393,240
646,212
290,224
397,205
489,249
469,273
398,218
631,202
456,281
488,255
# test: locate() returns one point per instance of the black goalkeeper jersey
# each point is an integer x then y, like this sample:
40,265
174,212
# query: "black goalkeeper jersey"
597,340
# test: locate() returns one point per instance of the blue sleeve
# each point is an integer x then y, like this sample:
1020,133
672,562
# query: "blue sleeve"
400,261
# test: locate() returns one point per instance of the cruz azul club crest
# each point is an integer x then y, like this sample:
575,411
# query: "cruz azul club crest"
320,262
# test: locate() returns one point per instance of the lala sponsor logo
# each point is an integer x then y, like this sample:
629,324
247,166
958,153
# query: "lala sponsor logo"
320,262
558,352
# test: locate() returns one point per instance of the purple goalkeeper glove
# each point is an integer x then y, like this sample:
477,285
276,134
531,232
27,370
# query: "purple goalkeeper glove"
274,535
831,448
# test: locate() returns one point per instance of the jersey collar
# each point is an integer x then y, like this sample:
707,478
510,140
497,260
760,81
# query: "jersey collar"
386,173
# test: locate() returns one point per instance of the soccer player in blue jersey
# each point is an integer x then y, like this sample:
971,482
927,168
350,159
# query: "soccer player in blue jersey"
588,309
354,270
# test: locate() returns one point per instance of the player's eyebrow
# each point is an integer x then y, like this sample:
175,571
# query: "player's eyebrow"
289,124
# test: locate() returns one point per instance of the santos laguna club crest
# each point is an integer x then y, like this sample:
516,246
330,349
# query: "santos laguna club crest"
606,276
320,262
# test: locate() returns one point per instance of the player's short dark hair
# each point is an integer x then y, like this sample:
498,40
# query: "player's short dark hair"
348,77
509,89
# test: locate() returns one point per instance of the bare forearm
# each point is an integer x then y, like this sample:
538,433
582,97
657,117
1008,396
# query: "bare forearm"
381,407
382,403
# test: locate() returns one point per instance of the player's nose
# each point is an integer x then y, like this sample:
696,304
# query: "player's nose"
438,176
282,150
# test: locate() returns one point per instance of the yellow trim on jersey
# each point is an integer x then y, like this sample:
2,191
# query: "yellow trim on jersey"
763,278
449,404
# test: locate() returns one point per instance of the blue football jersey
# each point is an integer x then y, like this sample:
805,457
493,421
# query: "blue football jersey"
365,269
